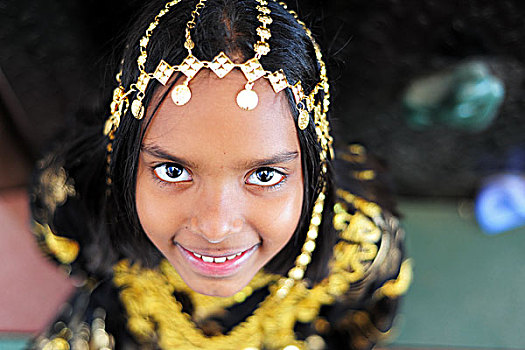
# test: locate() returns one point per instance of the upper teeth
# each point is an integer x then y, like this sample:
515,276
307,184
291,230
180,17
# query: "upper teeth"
218,260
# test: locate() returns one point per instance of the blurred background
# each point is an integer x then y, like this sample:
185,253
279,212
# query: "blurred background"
435,89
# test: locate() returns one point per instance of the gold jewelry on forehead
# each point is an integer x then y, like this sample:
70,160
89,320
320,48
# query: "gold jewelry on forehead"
306,103
222,65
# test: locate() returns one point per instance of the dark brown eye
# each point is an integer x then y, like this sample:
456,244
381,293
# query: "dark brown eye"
172,173
265,177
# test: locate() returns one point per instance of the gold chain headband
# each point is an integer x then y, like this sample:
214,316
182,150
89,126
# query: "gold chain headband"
247,99
221,65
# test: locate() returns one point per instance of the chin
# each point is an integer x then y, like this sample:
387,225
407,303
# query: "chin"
218,288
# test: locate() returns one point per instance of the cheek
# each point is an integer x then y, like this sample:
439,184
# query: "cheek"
277,220
153,209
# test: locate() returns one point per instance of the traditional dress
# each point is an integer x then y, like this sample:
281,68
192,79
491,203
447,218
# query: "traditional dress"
152,308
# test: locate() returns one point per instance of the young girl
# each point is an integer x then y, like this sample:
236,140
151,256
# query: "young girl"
203,212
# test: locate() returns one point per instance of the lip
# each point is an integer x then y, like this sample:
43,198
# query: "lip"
213,269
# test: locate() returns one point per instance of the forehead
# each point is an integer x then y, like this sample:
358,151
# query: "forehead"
212,122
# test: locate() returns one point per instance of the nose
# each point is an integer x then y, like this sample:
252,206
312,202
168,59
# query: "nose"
218,213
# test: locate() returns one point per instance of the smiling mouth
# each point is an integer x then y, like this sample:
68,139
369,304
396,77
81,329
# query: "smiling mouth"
217,266
217,260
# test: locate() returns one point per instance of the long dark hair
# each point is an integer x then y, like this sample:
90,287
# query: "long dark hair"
106,222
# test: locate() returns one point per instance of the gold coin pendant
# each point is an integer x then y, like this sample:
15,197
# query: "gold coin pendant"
137,109
303,119
181,94
247,99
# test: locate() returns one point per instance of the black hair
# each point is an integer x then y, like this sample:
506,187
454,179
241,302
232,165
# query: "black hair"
107,222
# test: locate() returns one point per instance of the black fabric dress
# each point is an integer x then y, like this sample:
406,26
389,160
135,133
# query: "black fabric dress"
133,307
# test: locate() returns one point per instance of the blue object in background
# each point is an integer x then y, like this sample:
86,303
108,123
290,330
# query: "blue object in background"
500,204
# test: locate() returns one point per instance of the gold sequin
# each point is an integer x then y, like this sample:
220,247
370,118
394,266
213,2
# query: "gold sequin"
265,19
143,81
298,92
190,66
264,33
137,109
261,48
247,99
64,249
221,65
163,72
278,81
181,94
252,69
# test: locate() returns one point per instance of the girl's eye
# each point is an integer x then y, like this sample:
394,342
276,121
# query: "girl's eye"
265,177
172,173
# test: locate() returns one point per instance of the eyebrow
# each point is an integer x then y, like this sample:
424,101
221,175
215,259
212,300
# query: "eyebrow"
158,152
283,157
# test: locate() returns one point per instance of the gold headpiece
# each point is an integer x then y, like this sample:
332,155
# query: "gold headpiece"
247,99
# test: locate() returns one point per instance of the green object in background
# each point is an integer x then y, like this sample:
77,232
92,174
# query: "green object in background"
466,97
468,289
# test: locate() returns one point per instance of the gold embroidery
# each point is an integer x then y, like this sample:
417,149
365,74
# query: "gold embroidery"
206,306
79,336
57,344
54,187
364,175
395,288
64,249
156,316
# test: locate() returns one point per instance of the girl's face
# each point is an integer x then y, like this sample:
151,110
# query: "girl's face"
219,190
